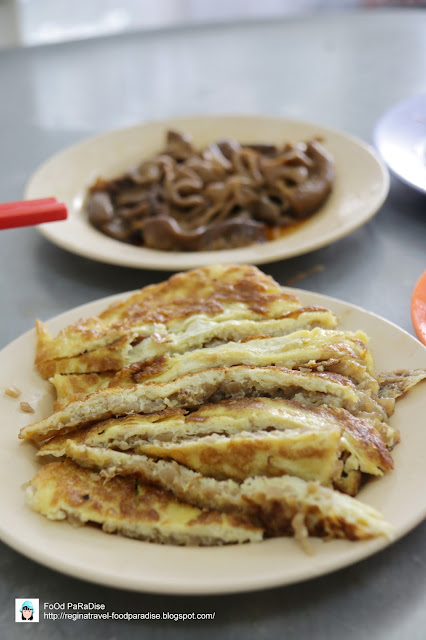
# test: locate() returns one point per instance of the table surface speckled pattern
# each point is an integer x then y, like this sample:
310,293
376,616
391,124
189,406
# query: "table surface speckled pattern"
341,70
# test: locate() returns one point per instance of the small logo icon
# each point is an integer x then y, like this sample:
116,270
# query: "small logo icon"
26,610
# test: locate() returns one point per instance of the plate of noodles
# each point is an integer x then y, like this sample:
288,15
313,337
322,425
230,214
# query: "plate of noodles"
187,192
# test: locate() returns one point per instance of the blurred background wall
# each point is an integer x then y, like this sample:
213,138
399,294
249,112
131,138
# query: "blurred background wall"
34,22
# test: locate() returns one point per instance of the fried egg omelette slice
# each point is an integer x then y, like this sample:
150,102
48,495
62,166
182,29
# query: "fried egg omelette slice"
149,342
192,390
310,454
347,352
125,505
197,303
271,503
78,386
174,432
375,409
394,384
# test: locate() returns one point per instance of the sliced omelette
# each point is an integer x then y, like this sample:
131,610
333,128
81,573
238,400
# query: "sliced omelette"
125,505
394,384
76,387
214,408
187,311
192,390
346,352
148,342
273,503
308,454
308,442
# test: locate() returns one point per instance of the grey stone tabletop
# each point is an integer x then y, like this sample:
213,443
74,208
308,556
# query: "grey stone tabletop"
340,70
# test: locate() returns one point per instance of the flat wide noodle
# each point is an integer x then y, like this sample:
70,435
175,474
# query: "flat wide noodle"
227,195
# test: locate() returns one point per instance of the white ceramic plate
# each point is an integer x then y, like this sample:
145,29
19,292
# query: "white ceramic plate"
361,186
89,554
400,137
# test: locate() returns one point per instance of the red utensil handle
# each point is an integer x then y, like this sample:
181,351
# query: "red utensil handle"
25,213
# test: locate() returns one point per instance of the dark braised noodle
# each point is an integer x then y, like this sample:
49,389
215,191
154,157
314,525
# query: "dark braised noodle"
226,195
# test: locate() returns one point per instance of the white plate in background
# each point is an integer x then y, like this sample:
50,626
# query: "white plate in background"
361,186
92,555
400,137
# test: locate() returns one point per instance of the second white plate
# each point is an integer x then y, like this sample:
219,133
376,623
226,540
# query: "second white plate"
400,137
361,186
89,554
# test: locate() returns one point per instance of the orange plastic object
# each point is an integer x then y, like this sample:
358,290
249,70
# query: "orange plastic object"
418,308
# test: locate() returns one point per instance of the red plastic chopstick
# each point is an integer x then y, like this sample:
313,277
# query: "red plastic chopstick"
25,213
